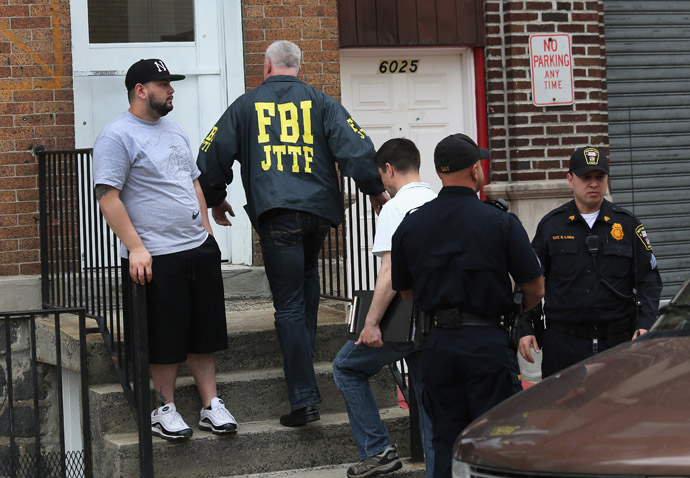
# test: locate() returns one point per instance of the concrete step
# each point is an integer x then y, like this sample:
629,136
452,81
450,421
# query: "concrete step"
258,447
253,343
410,470
249,395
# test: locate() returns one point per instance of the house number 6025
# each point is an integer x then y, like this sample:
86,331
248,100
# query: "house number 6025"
398,66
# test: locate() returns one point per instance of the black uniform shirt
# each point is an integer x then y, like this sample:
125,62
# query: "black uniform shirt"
456,251
287,137
574,292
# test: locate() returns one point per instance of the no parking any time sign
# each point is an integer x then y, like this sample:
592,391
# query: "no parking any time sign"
550,58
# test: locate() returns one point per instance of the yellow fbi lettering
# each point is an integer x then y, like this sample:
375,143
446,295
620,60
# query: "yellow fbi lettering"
209,139
294,122
354,127
291,154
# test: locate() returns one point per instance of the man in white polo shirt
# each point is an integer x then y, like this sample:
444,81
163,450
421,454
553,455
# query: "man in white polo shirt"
398,162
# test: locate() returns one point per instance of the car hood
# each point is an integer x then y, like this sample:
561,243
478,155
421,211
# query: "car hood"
626,410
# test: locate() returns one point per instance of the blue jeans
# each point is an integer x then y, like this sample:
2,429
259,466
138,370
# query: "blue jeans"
352,368
290,244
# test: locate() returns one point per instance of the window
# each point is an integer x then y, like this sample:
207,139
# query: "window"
145,21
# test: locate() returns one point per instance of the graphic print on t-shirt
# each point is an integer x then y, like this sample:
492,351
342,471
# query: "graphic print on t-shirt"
178,164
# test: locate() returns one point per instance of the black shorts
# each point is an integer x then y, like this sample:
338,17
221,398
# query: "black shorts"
185,304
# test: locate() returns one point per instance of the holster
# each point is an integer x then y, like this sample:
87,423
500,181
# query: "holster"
514,332
422,326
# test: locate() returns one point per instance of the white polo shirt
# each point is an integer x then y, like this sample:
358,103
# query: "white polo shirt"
410,196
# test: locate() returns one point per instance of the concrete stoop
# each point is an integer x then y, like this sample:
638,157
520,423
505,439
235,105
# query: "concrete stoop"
258,447
409,470
250,380
250,395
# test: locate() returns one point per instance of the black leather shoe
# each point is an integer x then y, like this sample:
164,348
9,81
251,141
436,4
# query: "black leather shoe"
300,417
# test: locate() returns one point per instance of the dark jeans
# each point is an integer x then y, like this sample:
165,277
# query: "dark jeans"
290,244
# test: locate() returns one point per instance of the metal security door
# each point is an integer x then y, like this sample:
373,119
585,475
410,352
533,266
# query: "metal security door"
648,77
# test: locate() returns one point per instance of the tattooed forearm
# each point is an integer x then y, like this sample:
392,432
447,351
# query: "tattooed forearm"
101,190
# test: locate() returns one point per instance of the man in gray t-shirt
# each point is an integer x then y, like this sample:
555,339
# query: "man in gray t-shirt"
146,184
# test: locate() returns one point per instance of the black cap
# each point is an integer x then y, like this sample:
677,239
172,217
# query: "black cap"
144,71
586,159
457,151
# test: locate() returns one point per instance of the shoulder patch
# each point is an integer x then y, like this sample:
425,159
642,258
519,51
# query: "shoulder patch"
642,235
499,203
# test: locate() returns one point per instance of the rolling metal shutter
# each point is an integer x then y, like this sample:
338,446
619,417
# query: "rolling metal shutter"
648,77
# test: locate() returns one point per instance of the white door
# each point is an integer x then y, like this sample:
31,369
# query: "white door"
200,39
420,94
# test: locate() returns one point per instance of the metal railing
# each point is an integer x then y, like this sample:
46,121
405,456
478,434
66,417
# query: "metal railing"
80,267
347,263
33,450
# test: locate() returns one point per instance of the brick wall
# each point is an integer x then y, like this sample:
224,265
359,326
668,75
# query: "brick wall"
36,108
529,142
312,25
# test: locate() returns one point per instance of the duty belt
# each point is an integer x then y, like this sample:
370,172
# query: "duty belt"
456,318
591,330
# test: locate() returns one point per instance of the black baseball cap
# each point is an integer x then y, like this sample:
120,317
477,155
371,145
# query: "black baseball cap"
144,71
586,159
457,151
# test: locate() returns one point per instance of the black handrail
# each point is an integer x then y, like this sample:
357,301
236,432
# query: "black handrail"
80,267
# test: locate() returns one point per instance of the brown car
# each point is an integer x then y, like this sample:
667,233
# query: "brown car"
622,413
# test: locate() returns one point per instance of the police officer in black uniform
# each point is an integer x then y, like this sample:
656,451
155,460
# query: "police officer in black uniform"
287,137
602,280
454,257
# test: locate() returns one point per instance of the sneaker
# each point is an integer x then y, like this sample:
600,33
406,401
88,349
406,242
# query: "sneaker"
385,462
217,419
168,424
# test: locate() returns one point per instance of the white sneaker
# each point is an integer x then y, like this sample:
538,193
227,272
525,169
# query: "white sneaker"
168,424
217,419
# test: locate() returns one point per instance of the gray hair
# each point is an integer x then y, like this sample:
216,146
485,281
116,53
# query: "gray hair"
284,54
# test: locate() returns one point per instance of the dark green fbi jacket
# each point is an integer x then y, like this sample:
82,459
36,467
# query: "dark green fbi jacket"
287,137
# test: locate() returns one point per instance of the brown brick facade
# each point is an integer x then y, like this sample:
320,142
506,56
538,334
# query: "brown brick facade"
36,109
311,24
529,142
